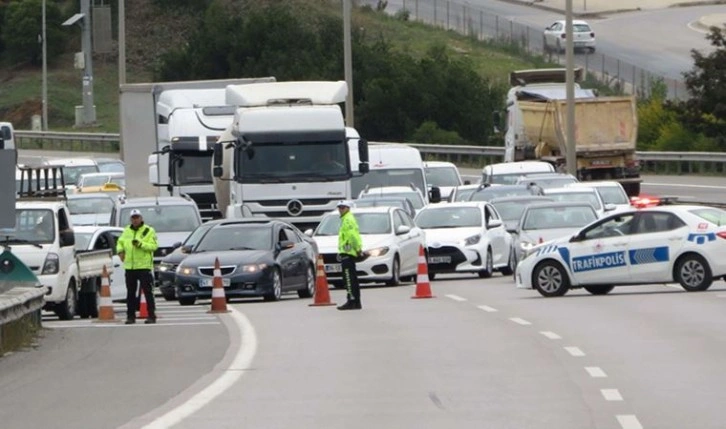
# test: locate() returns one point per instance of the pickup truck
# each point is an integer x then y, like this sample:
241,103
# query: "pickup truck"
44,240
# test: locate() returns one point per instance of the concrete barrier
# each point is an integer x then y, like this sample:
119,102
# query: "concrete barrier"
20,319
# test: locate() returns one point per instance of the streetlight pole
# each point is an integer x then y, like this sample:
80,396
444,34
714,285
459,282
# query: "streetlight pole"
44,90
121,42
571,155
89,113
348,63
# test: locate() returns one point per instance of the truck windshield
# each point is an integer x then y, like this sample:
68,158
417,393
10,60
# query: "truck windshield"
163,218
193,168
34,226
389,177
286,162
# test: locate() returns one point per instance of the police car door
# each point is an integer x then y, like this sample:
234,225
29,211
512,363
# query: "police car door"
599,255
656,237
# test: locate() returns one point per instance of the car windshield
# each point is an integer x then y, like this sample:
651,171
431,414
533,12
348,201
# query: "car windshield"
236,237
197,234
111,167
449,217
558,217
368,223
82,240
492,192
464,194
380,202
78,206
586,197
71,173
166,218
412,196
512,210
550,182
713,215
34,225
613,195
442,176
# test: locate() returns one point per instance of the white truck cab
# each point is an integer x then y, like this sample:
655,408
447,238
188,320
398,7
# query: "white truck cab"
7,136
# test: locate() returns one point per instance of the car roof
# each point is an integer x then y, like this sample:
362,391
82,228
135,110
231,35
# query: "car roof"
94,228
386,189
153,201
434,164
457,204
593,184
546,175
104,174
569,190
541,198
574,21
71,161
519,167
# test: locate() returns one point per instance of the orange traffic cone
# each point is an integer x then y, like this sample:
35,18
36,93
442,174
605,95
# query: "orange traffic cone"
423,287
105,305
219,300
143,308
322,289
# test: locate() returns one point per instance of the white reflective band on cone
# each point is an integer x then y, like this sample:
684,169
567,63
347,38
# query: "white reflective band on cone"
217,292
217,272
105,301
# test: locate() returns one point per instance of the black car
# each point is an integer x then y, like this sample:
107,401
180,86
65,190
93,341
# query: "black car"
168,264
258,258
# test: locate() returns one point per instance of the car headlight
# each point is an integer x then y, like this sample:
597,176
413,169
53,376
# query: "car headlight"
253,268
165,267
474,239
185,271
50,266
378,251
526,248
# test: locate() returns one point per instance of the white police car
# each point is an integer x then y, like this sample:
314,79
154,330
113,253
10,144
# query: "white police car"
682,244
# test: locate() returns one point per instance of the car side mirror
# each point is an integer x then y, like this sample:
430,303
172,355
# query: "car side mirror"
176,245
403,229
186,249
610,207
308,232
435,194
512,230
67,238
494,223
577,237
285,244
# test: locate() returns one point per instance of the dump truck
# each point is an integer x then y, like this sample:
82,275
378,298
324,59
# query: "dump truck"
606,128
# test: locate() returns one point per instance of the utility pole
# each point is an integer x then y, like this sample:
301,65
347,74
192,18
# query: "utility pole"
121,42
348,63
571,156
44,90
83,19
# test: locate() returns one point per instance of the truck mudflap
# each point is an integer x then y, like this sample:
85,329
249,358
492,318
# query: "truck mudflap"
91,263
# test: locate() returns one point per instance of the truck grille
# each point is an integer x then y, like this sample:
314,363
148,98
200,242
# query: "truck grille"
305,201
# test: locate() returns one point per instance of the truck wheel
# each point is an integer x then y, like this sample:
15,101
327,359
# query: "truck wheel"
66,310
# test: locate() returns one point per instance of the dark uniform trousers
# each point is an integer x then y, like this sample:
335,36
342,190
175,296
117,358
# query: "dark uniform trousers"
350,277
133,279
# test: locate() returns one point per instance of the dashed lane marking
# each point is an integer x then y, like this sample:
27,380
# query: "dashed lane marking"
456,298
551,335
487,308
519,321
629,421
575,351
611,394
595,372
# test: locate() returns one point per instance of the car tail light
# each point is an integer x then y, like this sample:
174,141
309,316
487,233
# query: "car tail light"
592,35
722,234
563,35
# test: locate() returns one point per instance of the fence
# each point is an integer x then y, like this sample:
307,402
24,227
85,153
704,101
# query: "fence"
482,25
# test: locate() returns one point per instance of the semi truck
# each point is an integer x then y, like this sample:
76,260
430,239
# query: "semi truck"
287,152
167,133
606,128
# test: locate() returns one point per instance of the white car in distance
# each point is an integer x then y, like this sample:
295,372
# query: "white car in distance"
411,192
582,34
443,174
580,194
466,237
611,192
390,239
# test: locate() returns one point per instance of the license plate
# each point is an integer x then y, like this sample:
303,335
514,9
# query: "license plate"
439,259
333,268
208,282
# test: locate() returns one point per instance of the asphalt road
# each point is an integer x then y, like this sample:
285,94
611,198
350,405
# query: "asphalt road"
479,354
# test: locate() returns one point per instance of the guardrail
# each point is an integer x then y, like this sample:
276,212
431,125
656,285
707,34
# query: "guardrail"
19,315
651,162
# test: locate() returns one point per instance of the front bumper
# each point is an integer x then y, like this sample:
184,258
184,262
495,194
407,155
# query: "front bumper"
54,293
373,269
453,258
239,285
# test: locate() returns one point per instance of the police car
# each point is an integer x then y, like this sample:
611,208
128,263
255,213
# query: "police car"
682,244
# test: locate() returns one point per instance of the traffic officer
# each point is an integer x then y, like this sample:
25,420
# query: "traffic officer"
136,247
349,250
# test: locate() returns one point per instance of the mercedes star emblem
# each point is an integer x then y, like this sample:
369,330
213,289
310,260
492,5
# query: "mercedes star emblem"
294,207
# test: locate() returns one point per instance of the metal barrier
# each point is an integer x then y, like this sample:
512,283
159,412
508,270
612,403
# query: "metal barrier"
651,162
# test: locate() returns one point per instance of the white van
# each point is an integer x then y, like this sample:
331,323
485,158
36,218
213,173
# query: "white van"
507,173
443,174
7,136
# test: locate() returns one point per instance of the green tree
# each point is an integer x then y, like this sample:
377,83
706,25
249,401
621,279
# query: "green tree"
22,29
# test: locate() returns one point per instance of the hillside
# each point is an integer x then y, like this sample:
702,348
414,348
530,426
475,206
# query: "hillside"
152,31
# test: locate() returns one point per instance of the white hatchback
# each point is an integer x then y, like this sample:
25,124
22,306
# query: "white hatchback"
582,35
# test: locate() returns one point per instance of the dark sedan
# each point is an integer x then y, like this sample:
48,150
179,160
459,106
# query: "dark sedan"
258,257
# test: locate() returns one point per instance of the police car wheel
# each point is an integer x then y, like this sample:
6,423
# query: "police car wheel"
550,279
599,289
693,273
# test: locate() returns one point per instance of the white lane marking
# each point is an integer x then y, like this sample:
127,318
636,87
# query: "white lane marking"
519,321
595,372
239,365
575,351
162,318
487,308
629,421
551,335
679,185
721,295
611,394
456,298
120,324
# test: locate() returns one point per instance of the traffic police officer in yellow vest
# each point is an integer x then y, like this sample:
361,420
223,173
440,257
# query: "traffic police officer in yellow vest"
349,250
136,247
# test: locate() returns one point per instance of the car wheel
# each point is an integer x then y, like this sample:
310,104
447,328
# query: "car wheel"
309,290
487,272
276,292
599,289
168,294
187,301
693,273
550,279
67,309
395,273
509,269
